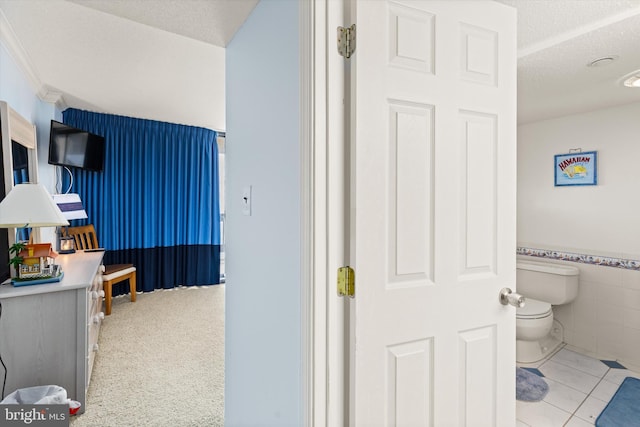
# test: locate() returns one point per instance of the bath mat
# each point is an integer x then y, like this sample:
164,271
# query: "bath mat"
529,386
623,408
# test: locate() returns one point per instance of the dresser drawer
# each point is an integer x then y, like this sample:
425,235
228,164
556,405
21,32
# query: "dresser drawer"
94,328
93,331
95,316
94,303
96,284
93,350
95,295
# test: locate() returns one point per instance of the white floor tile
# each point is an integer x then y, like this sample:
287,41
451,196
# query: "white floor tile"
541,414
530,365
563,396
578,422
618,375
581,362
567,375
605,390
590,409
578,392
540,362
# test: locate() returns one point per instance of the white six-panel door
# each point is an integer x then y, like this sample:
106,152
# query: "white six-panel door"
433,124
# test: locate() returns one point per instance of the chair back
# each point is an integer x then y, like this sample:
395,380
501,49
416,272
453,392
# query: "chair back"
85,236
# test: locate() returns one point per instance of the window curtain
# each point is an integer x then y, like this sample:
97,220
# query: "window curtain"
156,203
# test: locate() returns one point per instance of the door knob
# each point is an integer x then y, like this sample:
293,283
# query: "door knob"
507,296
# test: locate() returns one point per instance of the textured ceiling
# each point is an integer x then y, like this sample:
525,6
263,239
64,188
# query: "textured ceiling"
164,59
541,22
556,41
557,81
210,21
156,59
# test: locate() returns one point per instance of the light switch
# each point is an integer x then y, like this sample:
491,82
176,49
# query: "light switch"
246,200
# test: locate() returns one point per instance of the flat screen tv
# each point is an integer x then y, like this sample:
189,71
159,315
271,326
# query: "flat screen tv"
75,148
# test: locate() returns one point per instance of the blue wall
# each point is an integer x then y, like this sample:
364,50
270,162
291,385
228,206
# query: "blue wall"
16,91
263,263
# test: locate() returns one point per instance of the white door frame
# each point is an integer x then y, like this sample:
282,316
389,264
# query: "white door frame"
310,220
322,135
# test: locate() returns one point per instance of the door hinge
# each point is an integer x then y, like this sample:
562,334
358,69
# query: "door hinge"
346,282
347,41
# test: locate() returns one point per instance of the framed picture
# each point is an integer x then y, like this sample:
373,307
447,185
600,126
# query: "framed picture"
576,168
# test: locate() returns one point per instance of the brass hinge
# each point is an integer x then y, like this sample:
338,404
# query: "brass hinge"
347,41
346,282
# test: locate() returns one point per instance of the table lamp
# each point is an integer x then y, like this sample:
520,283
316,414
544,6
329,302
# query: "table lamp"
71,207
30,205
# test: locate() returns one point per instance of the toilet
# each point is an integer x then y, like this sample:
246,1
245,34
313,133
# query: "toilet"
543,285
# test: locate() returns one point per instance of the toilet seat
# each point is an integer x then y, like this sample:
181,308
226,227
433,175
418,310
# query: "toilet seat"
533,309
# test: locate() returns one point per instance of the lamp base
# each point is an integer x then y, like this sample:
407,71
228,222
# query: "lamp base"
67,245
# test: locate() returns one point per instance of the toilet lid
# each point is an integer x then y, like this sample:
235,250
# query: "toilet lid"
533,309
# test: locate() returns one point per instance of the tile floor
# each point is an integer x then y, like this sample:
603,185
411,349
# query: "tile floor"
579,389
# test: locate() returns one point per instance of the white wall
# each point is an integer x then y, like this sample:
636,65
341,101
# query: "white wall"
592,220
263,264
602,217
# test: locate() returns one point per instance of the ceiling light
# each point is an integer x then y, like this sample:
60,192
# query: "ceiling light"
600,62
633,80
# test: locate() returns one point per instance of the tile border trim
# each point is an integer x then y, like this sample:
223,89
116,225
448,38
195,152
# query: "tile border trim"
627,264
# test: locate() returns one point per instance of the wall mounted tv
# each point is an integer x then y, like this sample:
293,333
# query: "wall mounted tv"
75,148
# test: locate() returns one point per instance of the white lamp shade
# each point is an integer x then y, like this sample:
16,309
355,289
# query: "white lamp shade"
70,205
30,205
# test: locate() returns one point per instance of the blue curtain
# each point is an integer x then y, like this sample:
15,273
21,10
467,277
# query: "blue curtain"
156,203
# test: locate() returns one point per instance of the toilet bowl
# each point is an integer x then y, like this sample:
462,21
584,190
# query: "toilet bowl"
533,324
543,285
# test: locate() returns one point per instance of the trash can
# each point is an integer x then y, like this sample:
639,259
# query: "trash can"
41,395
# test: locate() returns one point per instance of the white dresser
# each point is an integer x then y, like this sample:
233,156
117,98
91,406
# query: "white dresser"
49,332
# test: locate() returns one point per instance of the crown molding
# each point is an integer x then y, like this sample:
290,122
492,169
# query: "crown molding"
13,45
52,97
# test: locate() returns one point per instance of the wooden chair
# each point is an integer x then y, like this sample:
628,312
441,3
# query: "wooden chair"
85,238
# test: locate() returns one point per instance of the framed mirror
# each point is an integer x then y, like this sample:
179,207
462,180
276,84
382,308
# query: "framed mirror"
19,160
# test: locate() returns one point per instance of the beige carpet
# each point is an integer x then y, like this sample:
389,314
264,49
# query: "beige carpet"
161,361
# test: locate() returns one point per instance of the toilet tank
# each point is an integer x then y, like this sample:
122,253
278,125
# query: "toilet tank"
554,283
